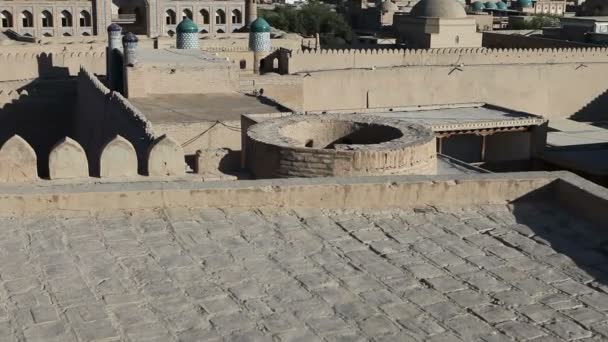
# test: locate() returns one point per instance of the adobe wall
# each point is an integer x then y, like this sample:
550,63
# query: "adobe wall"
145,80
100,115
30,63
191,140
305,61
553,90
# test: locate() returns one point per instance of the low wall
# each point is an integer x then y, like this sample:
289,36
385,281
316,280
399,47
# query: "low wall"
304,61
203,135
33,63
546,89
347,192
145,80
101,115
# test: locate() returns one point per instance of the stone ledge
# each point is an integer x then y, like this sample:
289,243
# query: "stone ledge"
341,192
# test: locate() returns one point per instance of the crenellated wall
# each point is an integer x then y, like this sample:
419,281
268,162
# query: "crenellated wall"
100,115
33,63
313,60
554,83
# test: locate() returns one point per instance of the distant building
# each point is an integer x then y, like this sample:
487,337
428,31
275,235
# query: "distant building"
437,24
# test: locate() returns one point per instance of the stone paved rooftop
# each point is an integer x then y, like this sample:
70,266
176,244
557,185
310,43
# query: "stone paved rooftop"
188,108
476,273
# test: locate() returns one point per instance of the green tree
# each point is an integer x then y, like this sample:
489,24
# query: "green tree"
537,22
314,17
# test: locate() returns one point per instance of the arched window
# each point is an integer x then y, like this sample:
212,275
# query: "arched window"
7,19
204,31
205,15
86,34
47,19
65,34
27,19
85,19
236,17
187,14
220,17
170,17
220,31
66,19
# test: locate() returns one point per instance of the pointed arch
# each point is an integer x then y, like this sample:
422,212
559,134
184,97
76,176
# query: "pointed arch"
170,18
6,19
47,19
220,17
186,13
205,14
27,19
85,19
66,18
237,17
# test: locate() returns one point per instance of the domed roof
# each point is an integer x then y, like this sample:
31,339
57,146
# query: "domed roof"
114,28
187,26
129,38
259,25
525,3
477,6
491,5
389,6
438,9
501,5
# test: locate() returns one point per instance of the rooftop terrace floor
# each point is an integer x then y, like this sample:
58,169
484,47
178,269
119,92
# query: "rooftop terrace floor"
476,273
189,108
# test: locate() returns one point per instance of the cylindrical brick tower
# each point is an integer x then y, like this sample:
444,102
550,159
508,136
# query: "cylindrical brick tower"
259,42
114,36
129,43
114,43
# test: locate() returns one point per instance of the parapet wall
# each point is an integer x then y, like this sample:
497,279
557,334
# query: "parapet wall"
33,63
101,115
317,60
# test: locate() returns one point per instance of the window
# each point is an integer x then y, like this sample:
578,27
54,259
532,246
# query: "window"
205,15
170,17
7,19
66,19
236,17
220,17
85,19
27,20
186,14
47,19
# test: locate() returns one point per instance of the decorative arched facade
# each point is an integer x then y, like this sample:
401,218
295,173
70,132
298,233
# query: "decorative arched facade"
144,17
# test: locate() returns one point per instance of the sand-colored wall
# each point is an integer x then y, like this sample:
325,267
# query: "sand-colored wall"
101,115
31,63
553,90
304,61
146,80
200,135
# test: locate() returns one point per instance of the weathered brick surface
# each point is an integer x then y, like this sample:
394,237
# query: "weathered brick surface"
309,275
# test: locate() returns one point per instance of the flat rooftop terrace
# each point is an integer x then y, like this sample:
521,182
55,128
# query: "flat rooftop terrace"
458,116
190,108
522,263
181,57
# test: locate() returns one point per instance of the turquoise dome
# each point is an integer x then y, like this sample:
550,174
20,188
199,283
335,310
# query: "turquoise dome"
477,6
491,5
259,26
187,26
501,5
525,3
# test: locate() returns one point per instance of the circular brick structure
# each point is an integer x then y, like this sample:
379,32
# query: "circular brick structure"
339,145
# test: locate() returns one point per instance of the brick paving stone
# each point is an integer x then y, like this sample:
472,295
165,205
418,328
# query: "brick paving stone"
433,274
568,330
520,330
494,314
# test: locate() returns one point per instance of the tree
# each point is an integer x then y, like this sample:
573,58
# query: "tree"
537,22
314,17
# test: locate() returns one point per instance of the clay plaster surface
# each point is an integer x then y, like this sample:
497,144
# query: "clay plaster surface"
489,272
189,108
